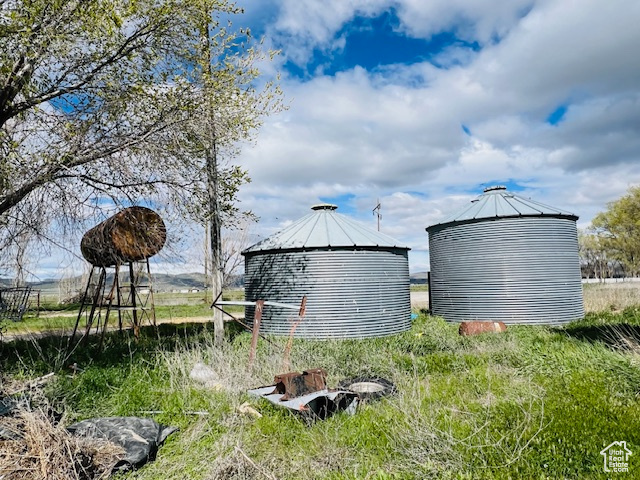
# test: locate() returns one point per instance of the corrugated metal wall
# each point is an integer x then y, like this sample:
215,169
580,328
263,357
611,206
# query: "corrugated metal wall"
522,270
353,293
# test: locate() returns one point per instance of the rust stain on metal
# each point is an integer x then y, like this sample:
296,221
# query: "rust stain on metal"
295,384
256,331
131,235
308,394
287,349
303,308
476,328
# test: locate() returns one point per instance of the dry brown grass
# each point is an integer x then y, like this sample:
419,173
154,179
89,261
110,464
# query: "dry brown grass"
235,464
47,451
611,296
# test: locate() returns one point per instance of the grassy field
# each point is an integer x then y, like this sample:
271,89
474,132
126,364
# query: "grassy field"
532,403
168,307
419,288
611,296
181,306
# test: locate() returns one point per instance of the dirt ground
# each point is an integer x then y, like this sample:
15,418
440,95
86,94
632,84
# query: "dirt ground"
419,300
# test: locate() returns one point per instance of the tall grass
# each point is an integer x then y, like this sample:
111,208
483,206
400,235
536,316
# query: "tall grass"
534,402
65,319
611,296
484,407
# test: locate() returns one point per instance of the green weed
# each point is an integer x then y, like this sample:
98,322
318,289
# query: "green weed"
534,402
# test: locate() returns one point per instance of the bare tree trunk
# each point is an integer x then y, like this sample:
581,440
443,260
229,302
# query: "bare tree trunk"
212,189
207,261
19,279
214,235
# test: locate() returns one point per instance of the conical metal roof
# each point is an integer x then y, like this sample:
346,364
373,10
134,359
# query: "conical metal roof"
497,202
322,228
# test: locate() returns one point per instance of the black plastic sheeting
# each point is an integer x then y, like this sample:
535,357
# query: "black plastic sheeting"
7,405
139,437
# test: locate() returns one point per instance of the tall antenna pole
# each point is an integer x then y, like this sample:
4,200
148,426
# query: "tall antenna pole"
376,211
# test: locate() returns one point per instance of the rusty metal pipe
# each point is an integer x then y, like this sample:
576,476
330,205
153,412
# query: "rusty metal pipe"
131,235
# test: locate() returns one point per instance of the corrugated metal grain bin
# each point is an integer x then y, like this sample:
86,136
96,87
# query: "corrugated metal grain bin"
356,280
506,258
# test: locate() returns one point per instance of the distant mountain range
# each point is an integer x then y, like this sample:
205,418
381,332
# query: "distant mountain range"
418,278
161,282
166,283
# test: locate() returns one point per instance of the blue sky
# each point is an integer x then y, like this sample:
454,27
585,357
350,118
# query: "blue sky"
423,104
372,42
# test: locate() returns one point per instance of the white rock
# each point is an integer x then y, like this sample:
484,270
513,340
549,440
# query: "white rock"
206,375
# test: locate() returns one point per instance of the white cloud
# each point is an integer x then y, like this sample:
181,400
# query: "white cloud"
303,25
561,53
396,134
477,20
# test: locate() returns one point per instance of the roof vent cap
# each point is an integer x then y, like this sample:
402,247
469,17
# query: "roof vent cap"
494,188
324,206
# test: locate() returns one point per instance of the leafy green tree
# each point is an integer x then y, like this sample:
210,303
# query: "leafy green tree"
125,100
594,261
228,108
75,100
619,228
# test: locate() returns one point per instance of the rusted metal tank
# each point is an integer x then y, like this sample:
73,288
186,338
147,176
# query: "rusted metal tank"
133,234
476,328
